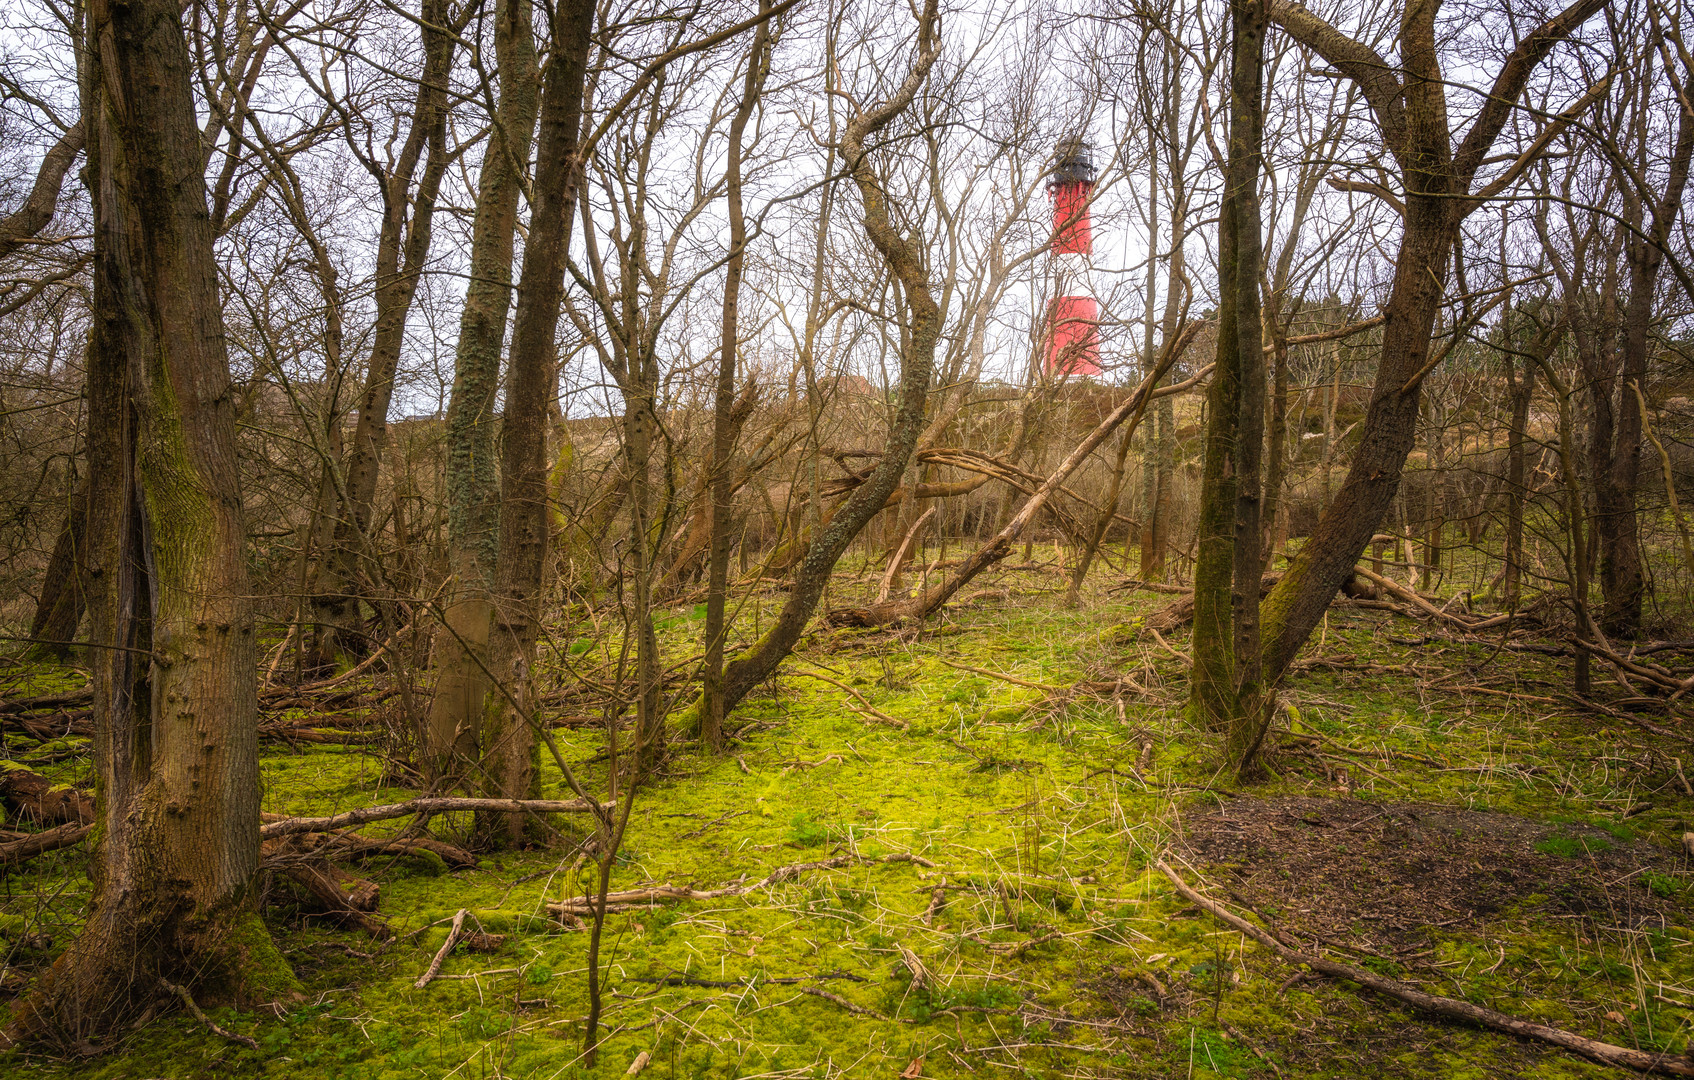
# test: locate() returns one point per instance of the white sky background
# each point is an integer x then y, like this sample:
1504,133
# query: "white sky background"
1012,80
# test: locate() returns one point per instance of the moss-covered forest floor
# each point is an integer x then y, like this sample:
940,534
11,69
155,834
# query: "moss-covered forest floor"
1447,815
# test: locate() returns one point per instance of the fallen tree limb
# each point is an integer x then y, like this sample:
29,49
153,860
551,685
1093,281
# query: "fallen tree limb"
349,818
349,845
1411,597
29,795
1448,1008
1015,681
28,847
1000,545
628,898
1180,612
441,953
345,898
1652,673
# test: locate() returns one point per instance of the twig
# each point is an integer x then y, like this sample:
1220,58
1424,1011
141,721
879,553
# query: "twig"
1003,678
859,1010
584,905
1445,1007
441,953
199,1014
1160,638
872,709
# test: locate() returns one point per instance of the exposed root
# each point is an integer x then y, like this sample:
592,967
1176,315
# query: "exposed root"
199,1014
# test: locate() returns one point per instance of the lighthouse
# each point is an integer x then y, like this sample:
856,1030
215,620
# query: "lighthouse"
1073,338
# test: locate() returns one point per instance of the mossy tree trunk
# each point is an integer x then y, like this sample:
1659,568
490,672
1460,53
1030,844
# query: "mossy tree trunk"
509,744
1409,103
1223,691
451,735
174,659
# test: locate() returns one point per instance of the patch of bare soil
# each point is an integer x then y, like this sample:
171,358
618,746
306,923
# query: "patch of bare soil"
1387,875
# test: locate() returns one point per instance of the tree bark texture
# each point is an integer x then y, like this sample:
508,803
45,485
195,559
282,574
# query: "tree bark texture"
508,739
472,480
1226,574
1241,302
174,664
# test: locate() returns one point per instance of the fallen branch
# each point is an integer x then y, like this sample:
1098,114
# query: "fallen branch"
628,898
1653,674
1180,612
1411,597
897,564
441,953
857,1010
33,844
349,818
1448,1008
1003,678
872,709
1187,661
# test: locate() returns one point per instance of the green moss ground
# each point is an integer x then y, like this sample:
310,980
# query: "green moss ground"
1055,931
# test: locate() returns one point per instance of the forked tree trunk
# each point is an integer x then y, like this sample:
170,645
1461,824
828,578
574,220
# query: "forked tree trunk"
451,735
174,664
402,248
1411,115
508,739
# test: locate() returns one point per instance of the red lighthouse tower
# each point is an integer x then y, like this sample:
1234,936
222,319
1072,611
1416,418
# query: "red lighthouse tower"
1073,340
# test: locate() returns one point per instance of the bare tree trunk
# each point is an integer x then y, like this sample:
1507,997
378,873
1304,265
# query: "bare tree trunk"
723,419
1411,114
1213,697
175,705
472,491
905,259
402,249
1438,493
1521,389
1651,220
59,609
508,740
1225,686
